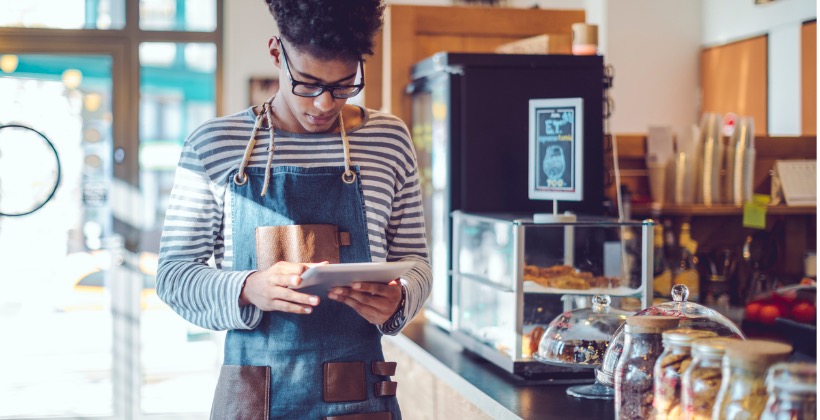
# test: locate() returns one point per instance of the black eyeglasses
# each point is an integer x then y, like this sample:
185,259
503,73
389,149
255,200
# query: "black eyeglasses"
312,90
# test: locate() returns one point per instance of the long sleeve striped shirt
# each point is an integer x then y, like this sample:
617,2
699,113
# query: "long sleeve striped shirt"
195,275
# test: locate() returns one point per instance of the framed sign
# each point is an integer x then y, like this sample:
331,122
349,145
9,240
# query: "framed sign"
556,147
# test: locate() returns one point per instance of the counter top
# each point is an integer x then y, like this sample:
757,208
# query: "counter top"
496,392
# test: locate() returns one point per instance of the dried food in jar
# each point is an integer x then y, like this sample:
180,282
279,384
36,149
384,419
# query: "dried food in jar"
584,352
743,391
634,380
669,368
792,389
701,380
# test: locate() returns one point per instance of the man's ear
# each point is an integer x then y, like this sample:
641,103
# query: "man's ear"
274,51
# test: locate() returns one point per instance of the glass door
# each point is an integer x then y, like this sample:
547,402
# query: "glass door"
55,306
115,86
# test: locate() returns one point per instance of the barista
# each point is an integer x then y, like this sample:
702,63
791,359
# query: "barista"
300,162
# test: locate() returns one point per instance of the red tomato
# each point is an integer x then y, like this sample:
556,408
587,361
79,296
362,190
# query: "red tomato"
789,296
768,313
804,312
753,311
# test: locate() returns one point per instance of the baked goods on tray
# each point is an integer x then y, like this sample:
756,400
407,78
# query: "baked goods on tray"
531,340
566,277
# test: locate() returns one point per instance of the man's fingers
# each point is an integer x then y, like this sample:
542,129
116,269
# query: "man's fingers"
316,264
290,295
286,280
284,267
371,307
378,288
368,312
285,306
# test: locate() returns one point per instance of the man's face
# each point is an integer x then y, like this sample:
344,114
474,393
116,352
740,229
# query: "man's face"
311,114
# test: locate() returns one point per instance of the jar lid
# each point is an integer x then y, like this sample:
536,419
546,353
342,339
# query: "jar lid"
794,377
757,351
712,346
685,336
651,323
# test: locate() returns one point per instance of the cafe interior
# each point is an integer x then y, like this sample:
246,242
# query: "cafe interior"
595,175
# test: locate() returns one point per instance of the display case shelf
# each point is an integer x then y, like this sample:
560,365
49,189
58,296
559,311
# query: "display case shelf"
530,287
512,278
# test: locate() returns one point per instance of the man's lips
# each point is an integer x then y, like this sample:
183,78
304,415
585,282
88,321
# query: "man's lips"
320,120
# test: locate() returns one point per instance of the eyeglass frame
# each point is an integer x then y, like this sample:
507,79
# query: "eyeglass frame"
322,87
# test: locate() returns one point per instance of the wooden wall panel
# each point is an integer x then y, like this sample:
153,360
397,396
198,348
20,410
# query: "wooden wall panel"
734,78
413,33
430,44
808,74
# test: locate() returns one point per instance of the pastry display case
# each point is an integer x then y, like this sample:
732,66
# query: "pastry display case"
512,277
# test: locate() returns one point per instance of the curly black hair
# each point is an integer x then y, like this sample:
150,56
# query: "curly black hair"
329,29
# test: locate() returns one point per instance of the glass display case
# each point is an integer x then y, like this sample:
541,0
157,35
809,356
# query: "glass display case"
462,165
512,277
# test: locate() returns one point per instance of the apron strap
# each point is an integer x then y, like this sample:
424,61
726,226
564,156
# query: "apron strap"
271,147
241,178
348,176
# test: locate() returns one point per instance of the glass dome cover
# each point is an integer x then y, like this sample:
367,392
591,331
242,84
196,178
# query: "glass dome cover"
693,316
580,337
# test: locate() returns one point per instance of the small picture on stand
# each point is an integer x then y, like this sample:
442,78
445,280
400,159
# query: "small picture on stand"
261,89
556,145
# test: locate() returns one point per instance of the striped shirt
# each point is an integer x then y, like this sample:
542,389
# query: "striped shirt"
195,275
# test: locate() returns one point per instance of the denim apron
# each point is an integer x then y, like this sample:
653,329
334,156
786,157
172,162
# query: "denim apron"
298,356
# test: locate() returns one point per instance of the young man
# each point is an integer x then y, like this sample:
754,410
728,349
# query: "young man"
338,180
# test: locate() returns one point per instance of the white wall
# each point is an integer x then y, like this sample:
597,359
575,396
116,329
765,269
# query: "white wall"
725,21
732,20
653,46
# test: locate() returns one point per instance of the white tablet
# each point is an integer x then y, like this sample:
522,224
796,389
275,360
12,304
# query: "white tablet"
323,277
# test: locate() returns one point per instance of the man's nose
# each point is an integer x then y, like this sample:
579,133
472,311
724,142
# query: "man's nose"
324,102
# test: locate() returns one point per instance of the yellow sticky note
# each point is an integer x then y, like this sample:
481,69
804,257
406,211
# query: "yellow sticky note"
754,211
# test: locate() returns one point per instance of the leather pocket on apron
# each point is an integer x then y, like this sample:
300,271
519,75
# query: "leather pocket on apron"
298,244
242,393
344,382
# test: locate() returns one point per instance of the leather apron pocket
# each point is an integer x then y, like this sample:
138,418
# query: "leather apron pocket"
344,382
298,244
242,393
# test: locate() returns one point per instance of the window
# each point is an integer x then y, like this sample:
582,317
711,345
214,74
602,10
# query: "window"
64,14
97,327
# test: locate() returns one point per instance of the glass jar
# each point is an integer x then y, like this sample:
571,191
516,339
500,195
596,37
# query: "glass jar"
743,391
693,315
792,389
676,357
701,381
633,372
579,338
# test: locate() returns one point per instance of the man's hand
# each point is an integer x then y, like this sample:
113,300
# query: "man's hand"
269,289
375,302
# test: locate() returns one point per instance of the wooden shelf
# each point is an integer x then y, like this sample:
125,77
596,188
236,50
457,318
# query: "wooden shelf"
716,210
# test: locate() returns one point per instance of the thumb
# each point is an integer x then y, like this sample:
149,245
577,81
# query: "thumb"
317,264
